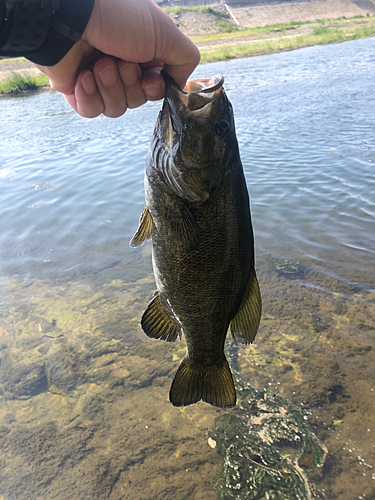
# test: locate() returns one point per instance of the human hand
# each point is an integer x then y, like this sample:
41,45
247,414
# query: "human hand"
140,39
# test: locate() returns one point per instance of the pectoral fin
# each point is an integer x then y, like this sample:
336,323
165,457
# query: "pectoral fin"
186,228
244,325
144,231
159,322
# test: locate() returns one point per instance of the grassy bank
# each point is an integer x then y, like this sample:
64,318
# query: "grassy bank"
277,38
17,83
203,10
268,29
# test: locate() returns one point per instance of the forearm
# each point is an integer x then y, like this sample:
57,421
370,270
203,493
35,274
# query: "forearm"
43,31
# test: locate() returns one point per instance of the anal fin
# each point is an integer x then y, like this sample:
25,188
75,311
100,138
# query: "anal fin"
244,325
144,231
159,322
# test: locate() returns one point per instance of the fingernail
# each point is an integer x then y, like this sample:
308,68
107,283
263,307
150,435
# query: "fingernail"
153,90
108,76
88,84
129,74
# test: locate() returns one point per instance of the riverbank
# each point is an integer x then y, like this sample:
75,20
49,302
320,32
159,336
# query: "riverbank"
19,83
282,37
222,39
19,75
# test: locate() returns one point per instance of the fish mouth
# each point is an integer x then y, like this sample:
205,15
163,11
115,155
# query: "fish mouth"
205,85
194,100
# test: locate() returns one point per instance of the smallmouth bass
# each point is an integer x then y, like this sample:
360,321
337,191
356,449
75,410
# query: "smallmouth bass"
197,214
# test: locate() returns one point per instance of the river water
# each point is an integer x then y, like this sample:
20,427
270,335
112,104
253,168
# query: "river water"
84,410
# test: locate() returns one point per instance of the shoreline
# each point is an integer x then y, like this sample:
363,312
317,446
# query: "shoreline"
20,76
283,37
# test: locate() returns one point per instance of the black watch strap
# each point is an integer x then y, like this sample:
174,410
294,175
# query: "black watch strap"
43,31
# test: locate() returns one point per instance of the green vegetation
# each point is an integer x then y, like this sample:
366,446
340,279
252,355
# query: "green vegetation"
13,59
204,10
226,26
254,31
322,30
252,441
233,42
318,36
21,83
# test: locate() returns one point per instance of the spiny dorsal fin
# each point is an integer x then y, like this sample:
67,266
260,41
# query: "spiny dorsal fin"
144,231
159,322
244,325
214,385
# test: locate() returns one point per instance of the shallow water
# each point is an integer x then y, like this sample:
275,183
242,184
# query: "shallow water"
84,410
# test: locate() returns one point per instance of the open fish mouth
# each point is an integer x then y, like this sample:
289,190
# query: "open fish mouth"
204,85
195,99
197,85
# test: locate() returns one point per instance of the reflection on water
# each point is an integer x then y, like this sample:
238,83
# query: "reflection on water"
84,409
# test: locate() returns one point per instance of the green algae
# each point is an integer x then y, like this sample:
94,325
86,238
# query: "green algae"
267,448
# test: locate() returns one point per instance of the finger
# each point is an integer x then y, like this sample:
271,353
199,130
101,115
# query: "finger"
88,102
153,84
179,54
131,76
110,87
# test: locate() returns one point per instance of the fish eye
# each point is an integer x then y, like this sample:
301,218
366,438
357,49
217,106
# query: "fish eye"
222,127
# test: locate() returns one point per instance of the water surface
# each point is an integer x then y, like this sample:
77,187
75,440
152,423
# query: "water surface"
84,410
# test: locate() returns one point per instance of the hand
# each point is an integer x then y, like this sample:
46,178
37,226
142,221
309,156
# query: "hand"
140,39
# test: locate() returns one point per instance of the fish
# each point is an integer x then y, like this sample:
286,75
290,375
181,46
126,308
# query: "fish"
197,215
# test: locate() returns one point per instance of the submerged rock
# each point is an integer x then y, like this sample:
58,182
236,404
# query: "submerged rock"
267,447
22,370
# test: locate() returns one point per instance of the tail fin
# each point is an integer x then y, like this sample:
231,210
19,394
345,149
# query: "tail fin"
192,383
